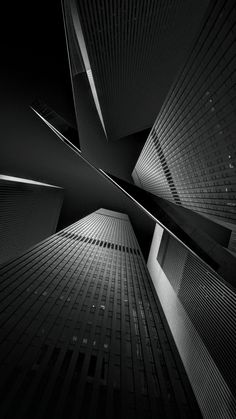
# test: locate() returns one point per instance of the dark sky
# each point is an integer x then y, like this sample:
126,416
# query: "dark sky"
34,65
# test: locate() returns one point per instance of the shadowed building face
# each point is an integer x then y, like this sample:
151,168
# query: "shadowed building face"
130,52
87,337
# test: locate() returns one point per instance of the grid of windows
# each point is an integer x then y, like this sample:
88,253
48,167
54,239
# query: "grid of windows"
29,212
201,311
82,332
189,157
126,43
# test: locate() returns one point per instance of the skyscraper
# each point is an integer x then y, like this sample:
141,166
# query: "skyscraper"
82,332
29,213
189,156
201,311
204,238
129,51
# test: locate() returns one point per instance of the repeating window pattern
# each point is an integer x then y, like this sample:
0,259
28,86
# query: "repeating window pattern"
189,157
82,332
124,41
203,324
29,213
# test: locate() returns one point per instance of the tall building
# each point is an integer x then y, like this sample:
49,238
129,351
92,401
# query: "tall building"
200,309
203,237
129,52
29,213
189,156
82,331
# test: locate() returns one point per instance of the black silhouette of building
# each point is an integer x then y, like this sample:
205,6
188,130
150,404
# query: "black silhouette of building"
82,331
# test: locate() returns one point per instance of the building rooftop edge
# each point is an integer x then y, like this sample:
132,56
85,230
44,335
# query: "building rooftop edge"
28,181
110,213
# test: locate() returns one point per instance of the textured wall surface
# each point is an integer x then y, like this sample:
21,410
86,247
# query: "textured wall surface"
190,155
29,213
82,333
200,310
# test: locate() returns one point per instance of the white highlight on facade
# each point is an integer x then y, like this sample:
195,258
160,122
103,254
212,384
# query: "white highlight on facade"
83,50
58,133
211,390
22,180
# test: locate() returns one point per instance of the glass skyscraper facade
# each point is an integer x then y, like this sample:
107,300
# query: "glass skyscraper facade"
87,330
189,159
82,331
201,311
189,156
